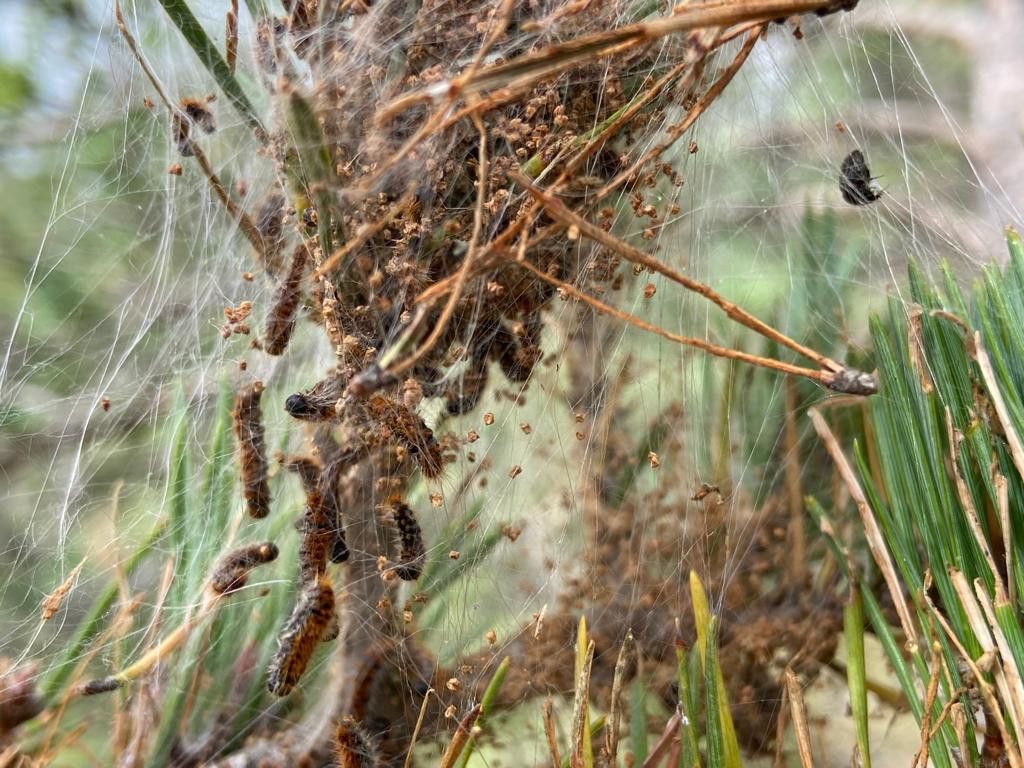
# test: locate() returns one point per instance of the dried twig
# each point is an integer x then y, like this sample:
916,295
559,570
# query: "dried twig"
691,116
561,212
799,714
873,534
549,732
245,224
821,377
463,731
550,61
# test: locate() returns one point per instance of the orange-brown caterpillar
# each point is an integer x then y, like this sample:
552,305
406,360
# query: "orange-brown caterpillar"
316,403
281,320
321,526
305,467
307,625
353,747
412,553
410,430
317,531
249,431
190,112
233,569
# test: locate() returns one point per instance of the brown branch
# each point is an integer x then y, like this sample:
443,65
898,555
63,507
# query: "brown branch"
820,377
561,212
554,59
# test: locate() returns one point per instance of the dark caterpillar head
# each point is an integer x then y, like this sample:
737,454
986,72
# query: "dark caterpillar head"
301,406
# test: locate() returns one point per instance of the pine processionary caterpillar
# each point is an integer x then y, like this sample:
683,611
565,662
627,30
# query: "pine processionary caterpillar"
281,320
326,530
270,223
318,402
362,692
317,537
353,747
309,622
233,569
100,685
410,537
249,431
409,430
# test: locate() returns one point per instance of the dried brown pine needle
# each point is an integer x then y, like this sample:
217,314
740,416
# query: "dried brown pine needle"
557,209
462,733
798,713
53,601
231,36
820,377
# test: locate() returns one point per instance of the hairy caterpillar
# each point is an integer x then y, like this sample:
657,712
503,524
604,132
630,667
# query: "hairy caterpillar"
249,431
306,627
353,747
326,530
329,483
317,537
281,320
318,402
409,430
233,569
410,537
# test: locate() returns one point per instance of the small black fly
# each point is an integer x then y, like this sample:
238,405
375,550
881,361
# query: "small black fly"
856,183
